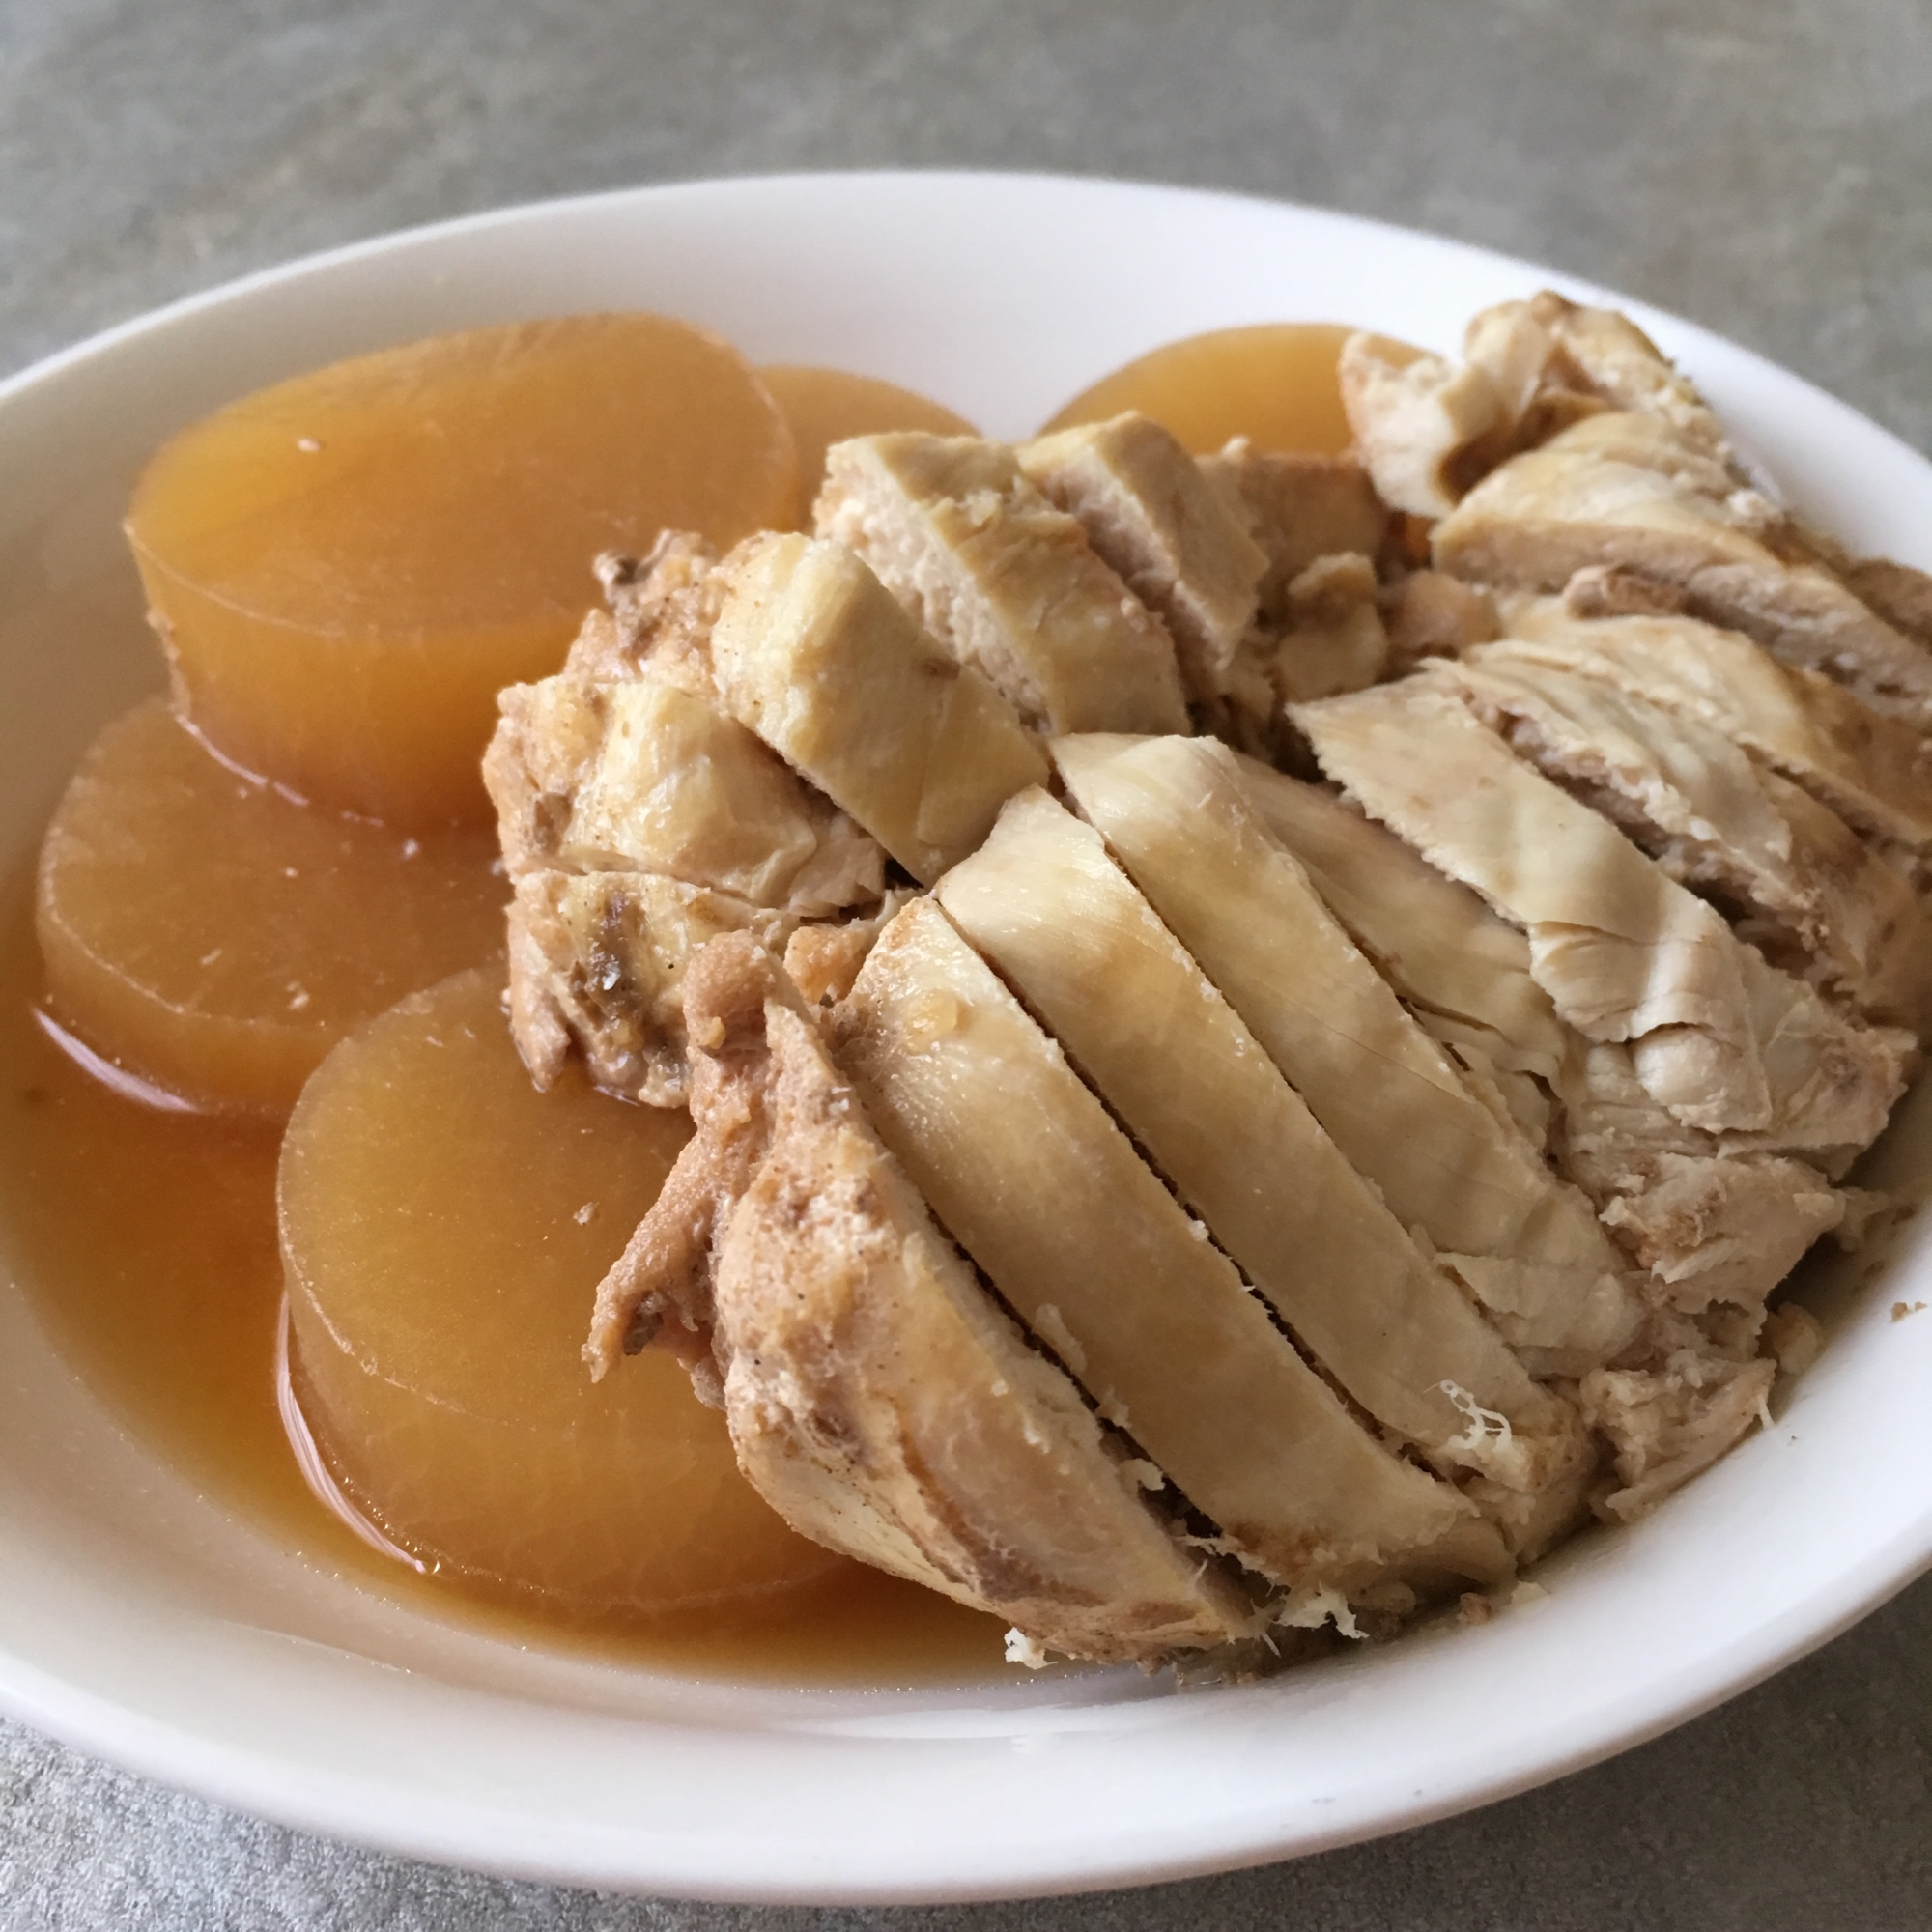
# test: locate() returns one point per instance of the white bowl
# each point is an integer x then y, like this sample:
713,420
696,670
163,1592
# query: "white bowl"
142,1622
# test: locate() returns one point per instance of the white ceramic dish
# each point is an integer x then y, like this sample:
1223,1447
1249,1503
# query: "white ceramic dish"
142,1623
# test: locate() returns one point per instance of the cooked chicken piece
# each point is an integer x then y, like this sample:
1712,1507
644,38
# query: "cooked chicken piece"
1513,345
1873,771
1426,428
823,959
662,608
1834,1081
1606,590
1721,1040
599,959
1059,922
1899,594
1724,1230
1435,941
876,1397
813,653
1817,899
1644,441
1544,514
1557,357
1532,370
1025,1169
1430,615
1715,1221
638,820
1178,815
1671,1423
1299,507
1178,542
1467,974
639,777
1792,1337
1334,639
1002,580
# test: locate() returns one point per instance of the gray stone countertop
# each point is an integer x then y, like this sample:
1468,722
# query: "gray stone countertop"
1764,166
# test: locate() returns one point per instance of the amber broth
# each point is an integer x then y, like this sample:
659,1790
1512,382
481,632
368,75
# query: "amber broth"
152,1263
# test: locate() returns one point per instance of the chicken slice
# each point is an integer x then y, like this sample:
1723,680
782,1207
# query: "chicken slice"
1706,1225
1624,952
1025,1169
1873,771
1333,639
639,819
1062,923
1715,819
1002,580
1547,355
598,959
1435,941
639,776
813,653
1426,427
876,1397
1719,1037
1299,507
1178,542
1178,815
1642,441
1430,615
1544,514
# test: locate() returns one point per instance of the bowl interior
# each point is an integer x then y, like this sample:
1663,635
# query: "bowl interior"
144,1621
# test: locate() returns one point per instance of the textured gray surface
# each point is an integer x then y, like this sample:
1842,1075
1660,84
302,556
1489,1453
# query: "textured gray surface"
1761,165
